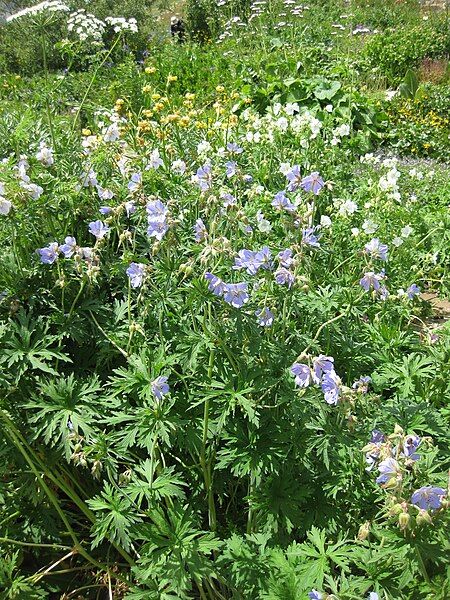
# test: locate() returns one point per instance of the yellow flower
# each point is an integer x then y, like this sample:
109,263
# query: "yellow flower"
158,106
156,97
184,121
147,113
146,89
220,89
86,131
150,70
171,78
173,117
189,96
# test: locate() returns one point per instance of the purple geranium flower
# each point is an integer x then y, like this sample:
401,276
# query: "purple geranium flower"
236,294
284,277
294,177
413,291
389,470
282,202
230,167
428,498
375,249
228,199
285,258
322,364
265,317
215,284
98,229
200,231
265,256
156,210
309,237
312,183
249,260
157,229
204,177
234,148
68,248
49,254
105,210
303,374
377,437
247,178
330,387
371,280
130,208
160,387
410,445
135,182
315,595
362,384
136,272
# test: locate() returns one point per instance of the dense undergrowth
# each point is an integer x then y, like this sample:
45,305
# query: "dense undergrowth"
221,372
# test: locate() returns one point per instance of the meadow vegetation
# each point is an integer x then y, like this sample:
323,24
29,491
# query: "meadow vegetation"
224,283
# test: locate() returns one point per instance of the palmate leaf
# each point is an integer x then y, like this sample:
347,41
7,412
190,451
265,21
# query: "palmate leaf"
154,489
115,517
145,426
175,552
319,557
29,346
63,405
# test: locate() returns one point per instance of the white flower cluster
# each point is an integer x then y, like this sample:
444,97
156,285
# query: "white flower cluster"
121,24
280,120
46,6
86,26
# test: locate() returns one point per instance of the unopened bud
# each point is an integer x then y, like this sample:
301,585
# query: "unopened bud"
423,518
403,520
364,531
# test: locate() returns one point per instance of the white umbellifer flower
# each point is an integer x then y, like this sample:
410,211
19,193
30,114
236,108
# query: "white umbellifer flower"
121,24
31,11
329,108
325,221
355,231
86,26
45,155
397,241
5,206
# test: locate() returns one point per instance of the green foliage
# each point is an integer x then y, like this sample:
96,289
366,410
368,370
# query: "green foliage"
153,441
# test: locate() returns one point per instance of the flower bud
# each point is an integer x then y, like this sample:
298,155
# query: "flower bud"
403,520
423,517
364,531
